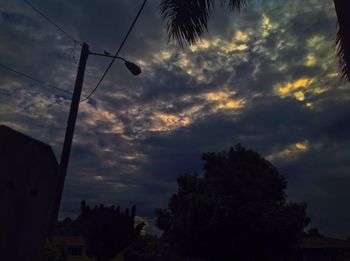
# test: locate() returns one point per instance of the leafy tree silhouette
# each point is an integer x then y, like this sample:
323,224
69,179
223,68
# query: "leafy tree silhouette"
107,230
145,248
54,251
237,210
314,232
187,21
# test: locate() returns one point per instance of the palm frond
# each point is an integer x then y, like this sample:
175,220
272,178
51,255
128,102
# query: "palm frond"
186,20
234,4
343,37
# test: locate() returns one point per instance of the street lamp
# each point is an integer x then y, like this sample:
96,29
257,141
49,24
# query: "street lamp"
133,68
85,52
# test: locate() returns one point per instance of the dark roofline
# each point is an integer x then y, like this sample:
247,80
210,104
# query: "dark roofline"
10,131
324,243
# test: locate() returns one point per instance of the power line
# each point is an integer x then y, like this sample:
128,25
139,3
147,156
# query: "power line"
119,49
58,27
55,24
71,56
50,21
35,79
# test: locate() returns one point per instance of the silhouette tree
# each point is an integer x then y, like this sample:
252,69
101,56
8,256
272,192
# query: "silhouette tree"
342,8
314,232
107,230
145,248
51,253
187,21
237,210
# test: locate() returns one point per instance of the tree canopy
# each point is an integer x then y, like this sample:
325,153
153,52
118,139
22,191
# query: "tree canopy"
313,232
107,230
236,209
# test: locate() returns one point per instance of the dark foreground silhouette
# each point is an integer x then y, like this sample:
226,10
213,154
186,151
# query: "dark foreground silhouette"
28,179
236,210
101,232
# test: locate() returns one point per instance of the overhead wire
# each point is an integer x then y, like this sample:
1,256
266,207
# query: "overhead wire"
35,79
55,24
119,49
71,56
50,21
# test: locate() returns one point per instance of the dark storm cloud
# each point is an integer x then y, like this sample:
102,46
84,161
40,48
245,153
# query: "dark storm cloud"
19,20
266,123
320,179
263,77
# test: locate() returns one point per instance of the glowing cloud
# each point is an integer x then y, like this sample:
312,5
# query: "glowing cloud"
231,47
310,60
240,36
267,25
300,96
164,55
223,100
301,89
167,122
302,146
291,152
99,178
315,40
96,115
218,96
232,104
290,87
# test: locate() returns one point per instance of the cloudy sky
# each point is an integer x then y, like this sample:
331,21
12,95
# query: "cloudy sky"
265,77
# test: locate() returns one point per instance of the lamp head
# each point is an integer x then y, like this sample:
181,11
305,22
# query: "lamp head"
133,68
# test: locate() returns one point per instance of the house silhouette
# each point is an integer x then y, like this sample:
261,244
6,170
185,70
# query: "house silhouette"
29,174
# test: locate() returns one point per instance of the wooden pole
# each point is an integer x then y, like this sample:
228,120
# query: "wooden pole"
70,127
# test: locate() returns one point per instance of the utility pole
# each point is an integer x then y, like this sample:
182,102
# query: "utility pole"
73,112
35,215
133,68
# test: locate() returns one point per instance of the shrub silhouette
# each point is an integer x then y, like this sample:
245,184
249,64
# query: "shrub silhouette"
107,230
236,210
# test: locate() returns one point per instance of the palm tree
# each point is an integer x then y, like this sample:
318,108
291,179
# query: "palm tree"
342,8
187,20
